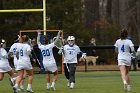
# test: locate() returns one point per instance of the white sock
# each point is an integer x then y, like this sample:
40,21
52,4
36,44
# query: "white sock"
16,86
29,86
53,83
124,82
12,79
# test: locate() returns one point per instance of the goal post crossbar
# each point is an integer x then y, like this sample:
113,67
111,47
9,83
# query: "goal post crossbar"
39,30
22,10
24,31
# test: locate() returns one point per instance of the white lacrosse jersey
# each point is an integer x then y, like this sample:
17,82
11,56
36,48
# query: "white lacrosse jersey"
124,49
70,53
13,49
24,59
4,63
47,53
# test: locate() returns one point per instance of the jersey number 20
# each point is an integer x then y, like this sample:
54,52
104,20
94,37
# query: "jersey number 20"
46,52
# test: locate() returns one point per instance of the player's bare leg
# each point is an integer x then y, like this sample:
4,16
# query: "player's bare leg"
22,82
54,80
1,76
12,77
125,77
48,80
18,80
30,80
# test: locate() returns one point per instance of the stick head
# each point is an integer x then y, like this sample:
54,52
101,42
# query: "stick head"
60,42
2,42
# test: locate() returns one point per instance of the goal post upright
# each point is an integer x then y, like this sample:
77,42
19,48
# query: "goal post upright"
44,16
33,31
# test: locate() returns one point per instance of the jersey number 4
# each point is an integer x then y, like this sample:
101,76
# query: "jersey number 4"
122,48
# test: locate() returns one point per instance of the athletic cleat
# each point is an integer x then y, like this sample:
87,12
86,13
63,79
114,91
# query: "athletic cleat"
30,91
15,90
22,89
125,87
53,88
48,86
128,87
72,85
18,89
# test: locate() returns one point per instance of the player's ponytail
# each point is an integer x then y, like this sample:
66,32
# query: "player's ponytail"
123,34
25,38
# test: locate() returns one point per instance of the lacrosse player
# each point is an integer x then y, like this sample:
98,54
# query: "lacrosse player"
23,54
122,47
12,53
48,59
70,52
4,64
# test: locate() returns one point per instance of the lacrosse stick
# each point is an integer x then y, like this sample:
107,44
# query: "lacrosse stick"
84,57
67,67
59,44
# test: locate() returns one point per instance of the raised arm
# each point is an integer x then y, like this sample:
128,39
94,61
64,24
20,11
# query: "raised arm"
57,37
38,37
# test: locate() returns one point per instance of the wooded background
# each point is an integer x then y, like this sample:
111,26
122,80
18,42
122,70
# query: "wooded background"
100,19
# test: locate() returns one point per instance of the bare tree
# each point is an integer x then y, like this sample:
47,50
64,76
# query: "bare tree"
122,12
138,18
115,11
103,9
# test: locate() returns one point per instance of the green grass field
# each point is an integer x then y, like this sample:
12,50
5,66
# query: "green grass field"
86,82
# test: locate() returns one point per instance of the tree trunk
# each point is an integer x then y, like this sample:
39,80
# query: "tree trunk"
115,12
138,19
103,9
91,12
123,13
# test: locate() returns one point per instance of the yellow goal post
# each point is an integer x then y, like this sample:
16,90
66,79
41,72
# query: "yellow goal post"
34,33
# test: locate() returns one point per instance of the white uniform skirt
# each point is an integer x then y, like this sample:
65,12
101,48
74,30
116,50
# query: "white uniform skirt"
50,66
4,66
22,64
124,62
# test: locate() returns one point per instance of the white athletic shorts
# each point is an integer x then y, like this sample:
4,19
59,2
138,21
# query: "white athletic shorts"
5,68
50,67
24,65
124,62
